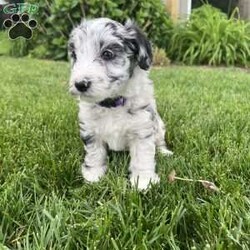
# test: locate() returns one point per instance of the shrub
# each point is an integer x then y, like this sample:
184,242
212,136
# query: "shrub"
4,44
160,58
226,6
209,37
57,19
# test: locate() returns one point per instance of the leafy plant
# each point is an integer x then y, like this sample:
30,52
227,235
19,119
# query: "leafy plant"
4,44
56,20
18,47
226,6
160,58
209,37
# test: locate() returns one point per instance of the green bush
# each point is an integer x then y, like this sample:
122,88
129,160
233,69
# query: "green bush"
209,37
56,19
18,47
226,6
160,58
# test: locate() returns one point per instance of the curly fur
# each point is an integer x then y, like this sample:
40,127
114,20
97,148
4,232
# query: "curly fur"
135,126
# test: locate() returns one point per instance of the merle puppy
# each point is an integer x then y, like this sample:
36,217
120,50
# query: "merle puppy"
117,109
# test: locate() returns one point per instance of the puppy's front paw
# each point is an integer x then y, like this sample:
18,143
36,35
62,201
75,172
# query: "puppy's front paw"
165,151
93,174
143,180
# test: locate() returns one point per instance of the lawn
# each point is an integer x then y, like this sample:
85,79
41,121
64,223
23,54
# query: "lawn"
45,204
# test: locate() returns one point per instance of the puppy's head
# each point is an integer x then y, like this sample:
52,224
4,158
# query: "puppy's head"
104,54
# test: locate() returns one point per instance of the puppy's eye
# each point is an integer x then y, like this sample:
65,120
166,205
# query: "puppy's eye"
108,55
71,48
73,55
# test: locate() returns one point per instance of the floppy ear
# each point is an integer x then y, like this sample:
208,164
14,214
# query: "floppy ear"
138,44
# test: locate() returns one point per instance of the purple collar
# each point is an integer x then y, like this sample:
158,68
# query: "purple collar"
113,102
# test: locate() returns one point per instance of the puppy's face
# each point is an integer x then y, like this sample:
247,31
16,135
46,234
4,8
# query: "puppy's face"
103,56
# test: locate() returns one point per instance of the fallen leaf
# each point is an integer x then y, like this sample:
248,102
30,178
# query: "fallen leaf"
171,176
209,185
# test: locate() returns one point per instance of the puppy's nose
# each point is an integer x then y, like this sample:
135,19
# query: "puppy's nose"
83,85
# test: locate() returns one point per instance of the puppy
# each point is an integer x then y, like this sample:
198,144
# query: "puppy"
117,109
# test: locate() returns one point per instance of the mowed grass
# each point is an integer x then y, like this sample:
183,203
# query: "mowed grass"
45,204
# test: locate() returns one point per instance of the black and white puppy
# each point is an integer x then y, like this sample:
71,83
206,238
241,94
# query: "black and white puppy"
117,109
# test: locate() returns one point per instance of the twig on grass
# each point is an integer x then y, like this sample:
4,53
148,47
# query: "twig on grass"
206,184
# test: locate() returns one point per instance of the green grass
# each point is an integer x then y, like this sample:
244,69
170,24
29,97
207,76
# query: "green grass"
45,204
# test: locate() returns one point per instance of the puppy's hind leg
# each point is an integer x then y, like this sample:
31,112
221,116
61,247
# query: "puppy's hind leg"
160,137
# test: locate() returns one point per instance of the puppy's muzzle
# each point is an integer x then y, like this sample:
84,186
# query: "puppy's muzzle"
83,85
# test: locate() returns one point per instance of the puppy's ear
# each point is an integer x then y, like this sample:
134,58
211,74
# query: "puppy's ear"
138,44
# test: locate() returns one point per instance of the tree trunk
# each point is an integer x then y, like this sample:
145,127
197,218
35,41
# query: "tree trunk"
244,6
172,7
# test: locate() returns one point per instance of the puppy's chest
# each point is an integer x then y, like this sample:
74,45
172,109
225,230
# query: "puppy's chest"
116,127
114,130
111,126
